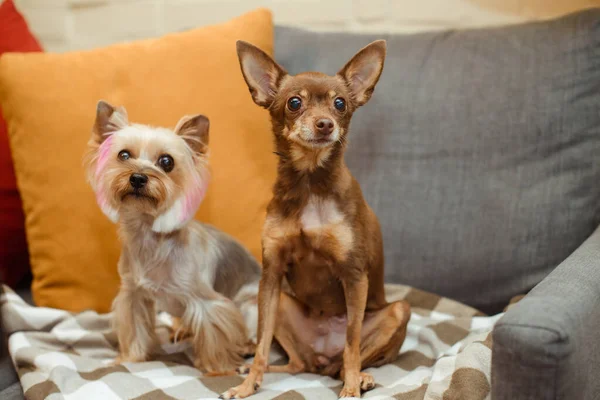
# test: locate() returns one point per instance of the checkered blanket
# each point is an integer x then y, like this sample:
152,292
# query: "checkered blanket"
61,355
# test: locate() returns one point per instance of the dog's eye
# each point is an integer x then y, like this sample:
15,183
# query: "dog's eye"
166,162
339,104
294,103
124,155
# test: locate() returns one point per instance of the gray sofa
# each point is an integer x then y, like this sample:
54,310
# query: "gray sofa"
480,153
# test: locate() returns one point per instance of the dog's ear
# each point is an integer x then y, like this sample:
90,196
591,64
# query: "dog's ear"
261,73
108,120
362,72
194,130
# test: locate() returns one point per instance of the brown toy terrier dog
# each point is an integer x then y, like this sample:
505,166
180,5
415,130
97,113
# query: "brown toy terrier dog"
321,294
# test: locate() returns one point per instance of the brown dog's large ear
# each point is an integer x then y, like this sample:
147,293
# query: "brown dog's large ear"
261,73
194,130
362,72
108,120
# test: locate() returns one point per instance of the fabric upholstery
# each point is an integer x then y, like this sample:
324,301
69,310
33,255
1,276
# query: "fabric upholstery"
547,345
49,101
478,150
446,355
15,36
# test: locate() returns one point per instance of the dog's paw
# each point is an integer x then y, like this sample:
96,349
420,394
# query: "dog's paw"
243,369
116,361
120,359
350,391
178,332
249,349
247,388
366,381
180,336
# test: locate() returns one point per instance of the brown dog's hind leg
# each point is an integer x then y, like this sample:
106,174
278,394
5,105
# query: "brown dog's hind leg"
290,311
290,319
383,333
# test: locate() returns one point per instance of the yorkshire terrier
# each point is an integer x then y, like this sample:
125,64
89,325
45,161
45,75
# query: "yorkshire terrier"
151,181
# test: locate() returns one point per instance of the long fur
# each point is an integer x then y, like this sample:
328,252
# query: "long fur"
169,261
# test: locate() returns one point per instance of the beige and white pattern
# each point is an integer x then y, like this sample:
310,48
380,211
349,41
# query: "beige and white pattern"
60,355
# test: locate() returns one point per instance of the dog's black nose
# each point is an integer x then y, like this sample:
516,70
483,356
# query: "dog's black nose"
324,126
138,181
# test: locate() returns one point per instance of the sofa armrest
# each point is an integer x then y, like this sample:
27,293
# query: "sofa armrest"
547,346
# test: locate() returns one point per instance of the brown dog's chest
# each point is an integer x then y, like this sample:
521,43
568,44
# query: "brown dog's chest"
313,248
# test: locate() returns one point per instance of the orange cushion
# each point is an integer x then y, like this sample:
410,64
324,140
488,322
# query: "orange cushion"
49,102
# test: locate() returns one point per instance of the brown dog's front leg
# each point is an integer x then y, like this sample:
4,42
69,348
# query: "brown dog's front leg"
268,302
355,291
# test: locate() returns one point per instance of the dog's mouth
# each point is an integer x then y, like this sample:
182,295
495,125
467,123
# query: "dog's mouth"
138,195
306,137
319,143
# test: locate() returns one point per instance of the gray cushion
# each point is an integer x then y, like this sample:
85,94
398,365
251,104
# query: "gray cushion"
479,150
13,392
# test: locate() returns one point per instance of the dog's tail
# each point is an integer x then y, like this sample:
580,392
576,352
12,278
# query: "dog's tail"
219,334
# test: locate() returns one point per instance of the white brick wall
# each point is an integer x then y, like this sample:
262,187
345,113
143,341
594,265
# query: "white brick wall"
64,25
